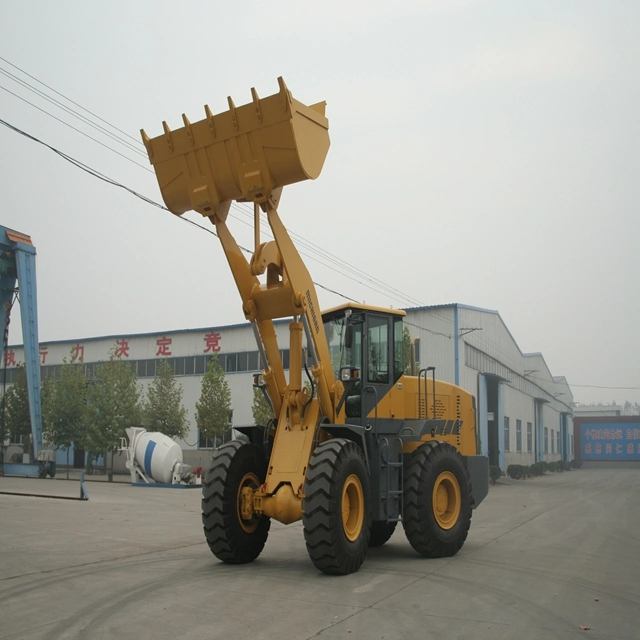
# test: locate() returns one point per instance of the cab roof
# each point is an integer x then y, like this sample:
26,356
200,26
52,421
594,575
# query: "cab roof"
364,307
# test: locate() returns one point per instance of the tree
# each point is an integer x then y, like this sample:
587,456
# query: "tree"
17,419
631,409
213,410
261,408
113,404
65,408
406,351
163,410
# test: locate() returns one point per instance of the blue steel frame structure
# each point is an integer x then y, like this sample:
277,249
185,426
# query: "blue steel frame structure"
19,266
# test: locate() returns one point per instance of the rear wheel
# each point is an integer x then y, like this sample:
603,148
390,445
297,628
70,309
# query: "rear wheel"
233,536
381,531
437,500
337,507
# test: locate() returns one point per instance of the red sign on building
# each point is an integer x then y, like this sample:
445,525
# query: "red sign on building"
163,346
212,342
122,349
77,353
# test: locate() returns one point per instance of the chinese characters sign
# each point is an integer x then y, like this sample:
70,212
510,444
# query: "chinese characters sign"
610,441
212,342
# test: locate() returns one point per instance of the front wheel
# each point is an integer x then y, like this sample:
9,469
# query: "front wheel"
336,507
233,536
437,500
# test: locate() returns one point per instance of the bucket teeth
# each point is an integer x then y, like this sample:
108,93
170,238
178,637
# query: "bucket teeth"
212,126
256,102
167,133
232,111
187,126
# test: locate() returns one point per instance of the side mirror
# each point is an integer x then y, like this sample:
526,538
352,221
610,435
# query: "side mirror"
348,336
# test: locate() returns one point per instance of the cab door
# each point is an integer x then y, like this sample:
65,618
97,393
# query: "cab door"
377,364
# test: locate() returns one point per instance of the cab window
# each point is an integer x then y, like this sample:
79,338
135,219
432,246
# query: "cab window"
378,350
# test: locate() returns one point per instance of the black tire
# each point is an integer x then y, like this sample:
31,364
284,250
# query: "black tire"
231,538
380,533
437,471
52,469
42,470
337,507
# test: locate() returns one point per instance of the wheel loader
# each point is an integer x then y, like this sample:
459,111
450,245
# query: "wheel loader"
355,445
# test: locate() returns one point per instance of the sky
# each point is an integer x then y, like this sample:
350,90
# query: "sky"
482,152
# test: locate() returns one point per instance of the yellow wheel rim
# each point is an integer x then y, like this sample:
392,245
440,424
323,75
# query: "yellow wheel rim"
251,481
352,507
446,500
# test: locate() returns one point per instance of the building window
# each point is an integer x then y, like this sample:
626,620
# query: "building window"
16,438
506,433
546,440
553,443
231,363
529,437
253,364
518,435
559,448
204,443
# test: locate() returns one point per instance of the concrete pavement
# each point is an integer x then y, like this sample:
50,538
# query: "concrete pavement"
544,557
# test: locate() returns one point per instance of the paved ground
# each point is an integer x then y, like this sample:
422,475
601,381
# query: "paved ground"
544,556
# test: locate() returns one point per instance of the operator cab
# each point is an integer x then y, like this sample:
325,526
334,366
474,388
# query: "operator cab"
365,344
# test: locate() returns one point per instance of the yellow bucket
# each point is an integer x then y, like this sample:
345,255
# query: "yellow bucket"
241,154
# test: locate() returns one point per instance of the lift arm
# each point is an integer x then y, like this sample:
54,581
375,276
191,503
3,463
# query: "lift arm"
248,154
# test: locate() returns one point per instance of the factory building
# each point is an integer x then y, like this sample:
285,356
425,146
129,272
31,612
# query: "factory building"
523,412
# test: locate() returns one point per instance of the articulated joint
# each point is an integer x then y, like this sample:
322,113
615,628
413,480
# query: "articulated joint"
283,506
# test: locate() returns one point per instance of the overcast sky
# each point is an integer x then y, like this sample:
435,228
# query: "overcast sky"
482,152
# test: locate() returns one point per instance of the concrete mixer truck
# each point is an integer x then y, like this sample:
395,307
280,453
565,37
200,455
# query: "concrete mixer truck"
363,446
155,458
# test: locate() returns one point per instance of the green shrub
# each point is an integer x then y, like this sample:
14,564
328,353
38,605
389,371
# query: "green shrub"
536,469
576,464
565,465
494,473
514,471
522,471
552,466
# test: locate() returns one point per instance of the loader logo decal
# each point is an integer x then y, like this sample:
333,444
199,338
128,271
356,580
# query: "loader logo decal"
312,310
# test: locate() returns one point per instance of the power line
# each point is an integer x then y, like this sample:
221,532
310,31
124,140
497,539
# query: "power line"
69,99
72,112
74,128
111,181
322,256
